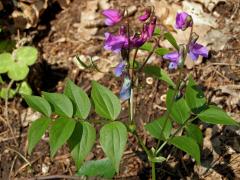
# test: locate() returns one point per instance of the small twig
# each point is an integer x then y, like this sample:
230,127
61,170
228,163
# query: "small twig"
25,159
225,64
11,169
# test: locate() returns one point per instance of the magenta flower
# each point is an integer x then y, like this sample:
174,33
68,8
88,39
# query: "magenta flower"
151,26
175,59
183,21
125,92
145,16
115,42
112,16
196,50
120,68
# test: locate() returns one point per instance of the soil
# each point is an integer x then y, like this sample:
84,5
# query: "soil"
61,34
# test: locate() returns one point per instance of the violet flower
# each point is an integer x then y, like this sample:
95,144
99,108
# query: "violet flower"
145,16
175,59
125,92
115,42
112,16
196,50
183,21
119,68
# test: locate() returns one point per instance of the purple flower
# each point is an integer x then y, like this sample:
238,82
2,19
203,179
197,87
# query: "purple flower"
151,26
115,42
175,58
120,68
112,16
145,16
196,50
183,21
126,89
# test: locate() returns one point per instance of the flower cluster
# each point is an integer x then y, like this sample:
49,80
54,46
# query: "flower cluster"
194,50
124,41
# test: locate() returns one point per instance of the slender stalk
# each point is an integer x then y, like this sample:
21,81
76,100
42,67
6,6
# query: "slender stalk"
6,111
153,171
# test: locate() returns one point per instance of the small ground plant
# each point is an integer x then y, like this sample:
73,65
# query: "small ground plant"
185,101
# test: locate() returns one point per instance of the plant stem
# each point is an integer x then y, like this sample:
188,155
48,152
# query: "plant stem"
6,111
153,171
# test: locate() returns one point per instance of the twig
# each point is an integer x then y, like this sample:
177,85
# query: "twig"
25,159
11,169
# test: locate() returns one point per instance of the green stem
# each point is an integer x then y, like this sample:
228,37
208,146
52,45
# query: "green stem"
153,171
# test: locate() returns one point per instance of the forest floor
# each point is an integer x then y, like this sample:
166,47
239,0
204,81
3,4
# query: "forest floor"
66,29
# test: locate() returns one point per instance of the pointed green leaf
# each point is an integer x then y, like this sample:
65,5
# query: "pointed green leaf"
160,74
215,115
26,55
102,168
36,131
61,130
171,39
6,61
147,47
61,104
180,111
79,99
157,31
38,104
107,104
81,141
113,139
161,51
155,128
18,71
195,132
187,145
195,96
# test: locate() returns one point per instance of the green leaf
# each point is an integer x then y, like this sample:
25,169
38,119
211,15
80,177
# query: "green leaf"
38,104
215,115
36,131
24,88
6,61
79,99
171,39
102,168
147,47
18,71
195,96
159,73
3,93
61,130
195,132
26,55
180,111
107,104
81,141
161,51
169,98
155,128
61,104
113,139
187,145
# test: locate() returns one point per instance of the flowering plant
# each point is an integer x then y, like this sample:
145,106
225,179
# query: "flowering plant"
185,101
